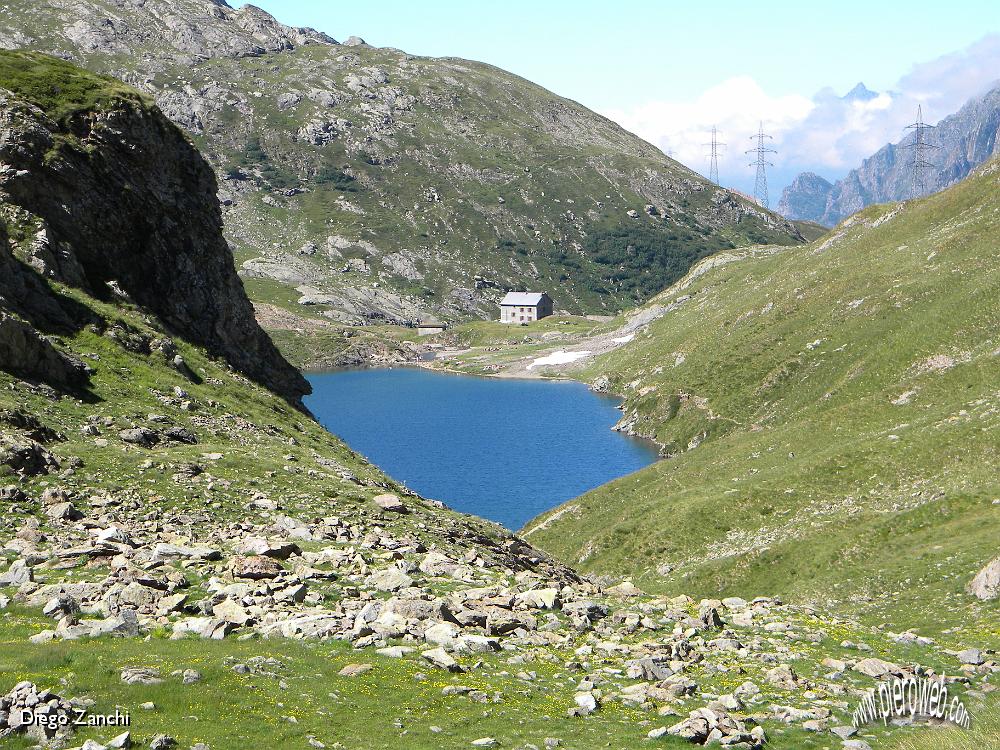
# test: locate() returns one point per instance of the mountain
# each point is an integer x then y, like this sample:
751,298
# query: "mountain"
860,93
806,197
963,141
828,415
179,542
373,185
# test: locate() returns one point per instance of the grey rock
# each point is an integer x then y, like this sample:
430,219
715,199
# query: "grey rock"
168,552
17,574
390,502
389,579
141,676
986,583
971,656
440,658
142,436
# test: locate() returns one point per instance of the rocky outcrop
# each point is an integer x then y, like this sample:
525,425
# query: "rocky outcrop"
963,141
30,355
126,207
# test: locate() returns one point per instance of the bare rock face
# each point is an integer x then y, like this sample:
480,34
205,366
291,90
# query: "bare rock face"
28,354
131,212
986,584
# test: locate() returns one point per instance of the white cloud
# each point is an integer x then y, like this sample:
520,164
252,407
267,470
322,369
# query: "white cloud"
824,133
733,106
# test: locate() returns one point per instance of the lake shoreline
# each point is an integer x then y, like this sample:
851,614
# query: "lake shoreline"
504,449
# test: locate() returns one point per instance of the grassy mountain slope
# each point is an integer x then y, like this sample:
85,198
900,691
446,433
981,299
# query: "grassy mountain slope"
831,415
383,186
181,543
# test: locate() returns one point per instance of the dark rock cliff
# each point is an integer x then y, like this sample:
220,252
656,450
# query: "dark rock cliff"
121,202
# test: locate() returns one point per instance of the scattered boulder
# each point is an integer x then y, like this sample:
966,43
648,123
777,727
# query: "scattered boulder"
26,457
63,512
170,552
256,567
140,436
986,583
539,598
266,548
971,656
876,668
389,579
355,670
390,503
17,574
442,659
714,725
50,716
782,677
141,676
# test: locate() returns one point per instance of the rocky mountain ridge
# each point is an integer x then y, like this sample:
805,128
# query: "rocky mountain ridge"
962,141
376,186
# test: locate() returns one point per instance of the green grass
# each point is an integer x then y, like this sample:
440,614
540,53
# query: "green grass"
61,89
396,703
807,480
983,733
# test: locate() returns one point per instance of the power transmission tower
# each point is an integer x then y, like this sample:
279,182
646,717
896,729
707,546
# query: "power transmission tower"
761,151
713,171
921,151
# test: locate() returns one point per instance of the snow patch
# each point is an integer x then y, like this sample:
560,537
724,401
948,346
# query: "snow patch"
560,357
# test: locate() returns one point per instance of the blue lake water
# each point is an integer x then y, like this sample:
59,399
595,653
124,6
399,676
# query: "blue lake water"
505,450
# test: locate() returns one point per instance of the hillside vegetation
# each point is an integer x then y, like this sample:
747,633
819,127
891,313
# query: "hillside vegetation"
378,186
831,420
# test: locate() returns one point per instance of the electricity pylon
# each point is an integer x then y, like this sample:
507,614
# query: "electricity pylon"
761,151
920,146
713,170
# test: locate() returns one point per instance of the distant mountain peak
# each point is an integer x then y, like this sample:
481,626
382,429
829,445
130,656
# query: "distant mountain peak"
860,93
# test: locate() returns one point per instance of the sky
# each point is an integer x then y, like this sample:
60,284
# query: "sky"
670,70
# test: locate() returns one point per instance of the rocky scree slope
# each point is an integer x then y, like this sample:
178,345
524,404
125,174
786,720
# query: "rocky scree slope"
829,414
964,140
383,186
102,193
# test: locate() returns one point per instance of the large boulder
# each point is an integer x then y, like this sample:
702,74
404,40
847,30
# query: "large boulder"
986,584
256,567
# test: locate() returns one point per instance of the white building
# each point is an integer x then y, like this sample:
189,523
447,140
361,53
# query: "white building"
525,307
